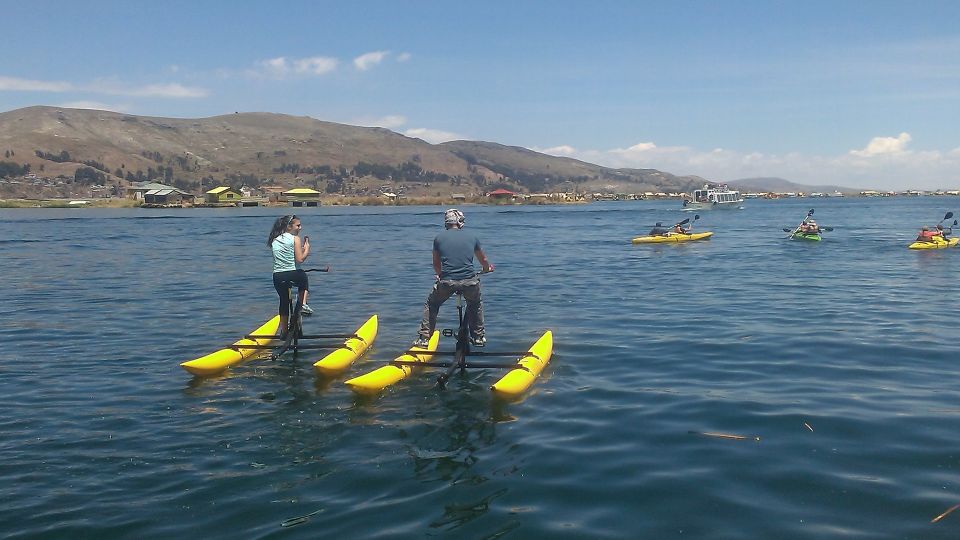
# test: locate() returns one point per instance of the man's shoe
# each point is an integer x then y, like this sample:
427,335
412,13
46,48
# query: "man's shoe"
420,343
478,341
306,310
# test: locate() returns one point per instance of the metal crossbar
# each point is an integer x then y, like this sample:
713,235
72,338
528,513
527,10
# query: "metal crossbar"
484,365
305,336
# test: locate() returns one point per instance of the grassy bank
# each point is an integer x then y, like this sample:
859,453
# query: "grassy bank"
65,203
430,201
327,201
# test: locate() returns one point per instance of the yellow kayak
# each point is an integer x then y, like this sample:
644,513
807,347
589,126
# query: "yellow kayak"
217,362
517,380
937,243
353,348
671,237
380,378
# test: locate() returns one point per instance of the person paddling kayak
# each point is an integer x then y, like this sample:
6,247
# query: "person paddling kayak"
658,230
809,226
926,235
289,252
453,253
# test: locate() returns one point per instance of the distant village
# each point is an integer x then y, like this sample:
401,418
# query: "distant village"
154,194
158,195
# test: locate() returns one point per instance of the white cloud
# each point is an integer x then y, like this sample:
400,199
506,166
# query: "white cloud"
433,136
26,85
562,150
884,164
105,86
273,68
391,121
879,146
637,148
282,67
169,90
317,65
403,57
95,105
370,59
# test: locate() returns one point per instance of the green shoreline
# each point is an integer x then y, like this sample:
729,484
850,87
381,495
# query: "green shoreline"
352,201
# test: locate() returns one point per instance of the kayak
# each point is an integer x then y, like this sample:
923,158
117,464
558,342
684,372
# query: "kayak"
216,362
354,347
373,382
936,243
671,237
813,237
517,380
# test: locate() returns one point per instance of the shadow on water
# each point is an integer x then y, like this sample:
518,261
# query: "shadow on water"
102,421
450,447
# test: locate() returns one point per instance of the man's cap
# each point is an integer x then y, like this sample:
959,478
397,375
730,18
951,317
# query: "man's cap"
453,216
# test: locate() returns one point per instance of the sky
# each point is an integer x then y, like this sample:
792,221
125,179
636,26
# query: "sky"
861,94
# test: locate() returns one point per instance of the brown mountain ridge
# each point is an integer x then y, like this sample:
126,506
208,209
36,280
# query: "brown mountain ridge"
275,149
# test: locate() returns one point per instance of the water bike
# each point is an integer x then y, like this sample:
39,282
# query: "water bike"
798,234
671,236
940,241
266,337
523,371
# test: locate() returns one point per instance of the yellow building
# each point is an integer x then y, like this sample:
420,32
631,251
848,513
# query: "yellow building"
302,197
222,194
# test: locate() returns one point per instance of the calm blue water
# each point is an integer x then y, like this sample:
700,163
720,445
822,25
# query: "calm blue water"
102,435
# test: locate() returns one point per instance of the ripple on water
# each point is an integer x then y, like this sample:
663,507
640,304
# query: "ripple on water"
834,354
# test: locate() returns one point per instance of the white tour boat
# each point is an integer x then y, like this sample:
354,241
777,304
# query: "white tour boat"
713,196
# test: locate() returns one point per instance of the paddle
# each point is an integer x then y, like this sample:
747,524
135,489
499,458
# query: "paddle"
949,230
828,229
796,230
684,222
947,216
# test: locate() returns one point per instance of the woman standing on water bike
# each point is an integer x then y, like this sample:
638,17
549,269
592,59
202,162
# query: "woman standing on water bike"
289,252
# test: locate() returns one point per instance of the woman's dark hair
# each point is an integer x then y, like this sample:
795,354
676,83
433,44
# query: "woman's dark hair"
279,227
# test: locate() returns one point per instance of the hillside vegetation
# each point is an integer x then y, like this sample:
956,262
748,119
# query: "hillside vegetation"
88,147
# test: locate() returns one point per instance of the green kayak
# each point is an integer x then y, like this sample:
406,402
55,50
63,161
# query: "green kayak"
813,237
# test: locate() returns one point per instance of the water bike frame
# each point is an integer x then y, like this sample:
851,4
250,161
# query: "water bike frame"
461,352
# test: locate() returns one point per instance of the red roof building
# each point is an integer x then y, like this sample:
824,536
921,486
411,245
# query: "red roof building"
501,193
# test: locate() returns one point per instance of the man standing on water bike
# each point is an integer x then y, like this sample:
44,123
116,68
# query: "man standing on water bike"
453,252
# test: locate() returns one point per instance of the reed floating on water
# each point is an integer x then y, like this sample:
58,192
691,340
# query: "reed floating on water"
725,435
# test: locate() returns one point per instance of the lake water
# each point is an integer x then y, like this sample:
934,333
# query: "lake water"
840,356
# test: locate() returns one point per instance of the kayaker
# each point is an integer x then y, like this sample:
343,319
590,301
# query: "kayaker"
926,235
678,229
658,230
289,252
944,232
453,253
809,226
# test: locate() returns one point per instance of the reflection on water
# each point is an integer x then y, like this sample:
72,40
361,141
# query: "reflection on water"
748,333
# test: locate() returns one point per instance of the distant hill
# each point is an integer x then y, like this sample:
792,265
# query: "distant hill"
780,185
265,148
